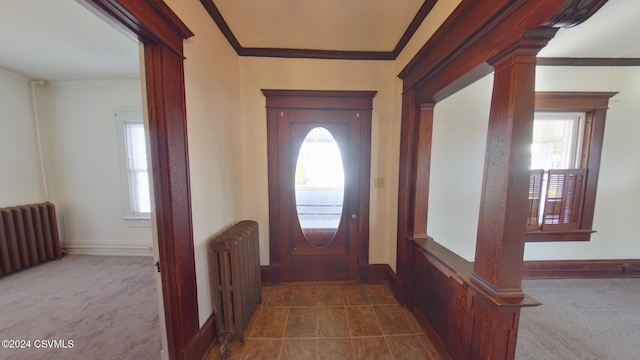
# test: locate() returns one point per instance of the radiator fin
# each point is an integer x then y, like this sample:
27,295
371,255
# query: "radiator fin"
28,236
234,263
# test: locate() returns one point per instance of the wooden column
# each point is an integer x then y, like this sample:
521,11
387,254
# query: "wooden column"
415,160
422,166
503,208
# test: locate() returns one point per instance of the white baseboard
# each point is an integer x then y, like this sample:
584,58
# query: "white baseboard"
117,248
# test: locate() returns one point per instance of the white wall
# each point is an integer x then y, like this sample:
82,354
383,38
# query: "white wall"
457,165
432,22
615,215
20,182
83,164
458,156
307,74
215,136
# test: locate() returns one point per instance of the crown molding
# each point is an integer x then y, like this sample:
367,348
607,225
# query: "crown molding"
569,61
217,17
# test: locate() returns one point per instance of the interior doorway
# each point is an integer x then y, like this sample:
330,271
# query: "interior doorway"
319,170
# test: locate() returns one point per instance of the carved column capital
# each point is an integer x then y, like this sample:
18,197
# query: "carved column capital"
574,12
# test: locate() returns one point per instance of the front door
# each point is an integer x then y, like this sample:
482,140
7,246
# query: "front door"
319,192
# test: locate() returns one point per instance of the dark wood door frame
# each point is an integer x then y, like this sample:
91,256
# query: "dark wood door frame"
324,100
153,23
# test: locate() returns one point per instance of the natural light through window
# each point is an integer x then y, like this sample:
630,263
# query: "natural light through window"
557,182
134,173
556,140
319,180
137,168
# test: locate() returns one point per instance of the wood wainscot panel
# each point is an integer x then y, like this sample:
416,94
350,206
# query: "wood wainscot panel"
581,269
456,314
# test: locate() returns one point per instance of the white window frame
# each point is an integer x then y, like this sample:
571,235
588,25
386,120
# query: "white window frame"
573,153
132,217
574,138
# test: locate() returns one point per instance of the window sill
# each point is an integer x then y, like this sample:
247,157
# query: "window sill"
552,236
137,221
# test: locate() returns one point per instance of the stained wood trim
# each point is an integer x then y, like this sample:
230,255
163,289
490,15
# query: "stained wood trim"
215,14
572,100
150,22
316,54
422,13
319,99
277,100
379,273
417,20
265,272
431,334
203,341
567,61
595,105
581,269
162,33
474,33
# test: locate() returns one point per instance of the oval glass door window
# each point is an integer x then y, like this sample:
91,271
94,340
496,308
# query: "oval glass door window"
319,181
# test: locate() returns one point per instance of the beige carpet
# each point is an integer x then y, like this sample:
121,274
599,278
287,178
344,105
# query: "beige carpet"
106,304
582,319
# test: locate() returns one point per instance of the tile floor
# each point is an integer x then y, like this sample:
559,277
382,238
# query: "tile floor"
319,322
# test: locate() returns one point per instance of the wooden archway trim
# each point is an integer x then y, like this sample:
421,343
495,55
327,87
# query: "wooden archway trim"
462,304
154,24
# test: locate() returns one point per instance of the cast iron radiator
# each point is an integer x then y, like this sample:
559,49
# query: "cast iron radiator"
234,263
28,236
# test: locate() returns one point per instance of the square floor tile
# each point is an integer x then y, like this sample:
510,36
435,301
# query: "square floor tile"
355,295
393,320
330,295
305,295
371,348
332,322
269,323
299,349
335,349
302,323
363,321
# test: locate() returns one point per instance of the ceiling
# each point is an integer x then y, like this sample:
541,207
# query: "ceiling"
62,40
353,25
612,32
40,38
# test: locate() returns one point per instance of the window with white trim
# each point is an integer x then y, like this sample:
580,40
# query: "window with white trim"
136,195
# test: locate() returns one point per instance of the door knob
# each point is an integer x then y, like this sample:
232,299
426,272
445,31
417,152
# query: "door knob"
354,216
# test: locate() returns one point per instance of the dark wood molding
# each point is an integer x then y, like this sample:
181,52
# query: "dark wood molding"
468,303
316,54
560,61
278,103
379,273
384,273
417,20
318,99
265,274
457,315
504,206
150,22
422,13
581,269
162,33
572,100
201,343
474,33
574,12
215,14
